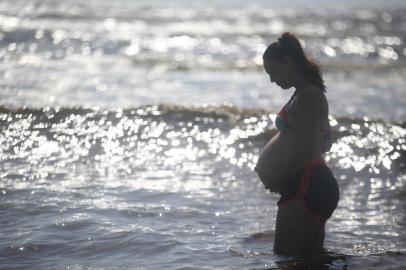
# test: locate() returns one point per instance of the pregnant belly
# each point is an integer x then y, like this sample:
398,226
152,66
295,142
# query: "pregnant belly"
274,159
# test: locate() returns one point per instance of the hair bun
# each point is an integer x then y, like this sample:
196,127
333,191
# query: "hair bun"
290,42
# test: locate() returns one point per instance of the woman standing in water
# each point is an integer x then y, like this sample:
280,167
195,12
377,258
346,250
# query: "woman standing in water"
292,162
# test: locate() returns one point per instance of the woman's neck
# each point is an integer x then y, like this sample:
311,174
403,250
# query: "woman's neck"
301,83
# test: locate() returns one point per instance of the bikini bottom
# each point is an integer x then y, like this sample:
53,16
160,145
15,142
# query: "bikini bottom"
316,186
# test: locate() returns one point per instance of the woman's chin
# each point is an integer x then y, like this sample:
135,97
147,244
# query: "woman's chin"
283,86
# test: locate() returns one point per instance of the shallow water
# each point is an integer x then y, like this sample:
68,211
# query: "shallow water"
164,186
129,133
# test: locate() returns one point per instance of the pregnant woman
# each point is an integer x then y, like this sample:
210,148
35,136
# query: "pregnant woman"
292,162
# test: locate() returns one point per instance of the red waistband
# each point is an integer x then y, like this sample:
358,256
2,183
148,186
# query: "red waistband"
306,176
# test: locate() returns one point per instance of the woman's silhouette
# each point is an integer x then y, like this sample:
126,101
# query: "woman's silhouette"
292,162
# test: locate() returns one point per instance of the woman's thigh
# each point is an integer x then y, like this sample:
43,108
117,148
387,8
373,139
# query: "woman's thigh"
298,231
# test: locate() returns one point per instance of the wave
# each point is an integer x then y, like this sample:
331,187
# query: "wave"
177,112
226,132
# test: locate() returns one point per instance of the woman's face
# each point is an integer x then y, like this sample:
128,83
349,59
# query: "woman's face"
280,72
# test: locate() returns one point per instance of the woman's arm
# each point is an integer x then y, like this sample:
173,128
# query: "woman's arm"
308,111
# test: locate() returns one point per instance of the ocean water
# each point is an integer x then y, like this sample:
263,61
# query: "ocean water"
130,130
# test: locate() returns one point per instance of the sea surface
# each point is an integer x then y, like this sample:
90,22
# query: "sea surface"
129,131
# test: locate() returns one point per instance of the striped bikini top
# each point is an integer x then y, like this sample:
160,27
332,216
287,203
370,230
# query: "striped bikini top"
282,118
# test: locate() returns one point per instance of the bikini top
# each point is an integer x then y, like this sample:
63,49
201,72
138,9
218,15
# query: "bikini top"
283,125
282,118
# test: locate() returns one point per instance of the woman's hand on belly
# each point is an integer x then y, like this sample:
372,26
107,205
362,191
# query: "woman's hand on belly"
270,182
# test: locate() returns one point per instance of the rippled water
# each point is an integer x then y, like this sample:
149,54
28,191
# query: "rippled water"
170,186
130,129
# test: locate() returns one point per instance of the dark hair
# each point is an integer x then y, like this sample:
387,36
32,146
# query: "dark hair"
289,45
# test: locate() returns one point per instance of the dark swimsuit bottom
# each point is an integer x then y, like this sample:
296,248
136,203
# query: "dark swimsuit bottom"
316,186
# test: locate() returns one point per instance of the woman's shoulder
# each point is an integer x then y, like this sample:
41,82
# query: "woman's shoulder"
312,89
312,95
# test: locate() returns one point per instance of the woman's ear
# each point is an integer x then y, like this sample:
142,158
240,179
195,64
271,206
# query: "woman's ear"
289,61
